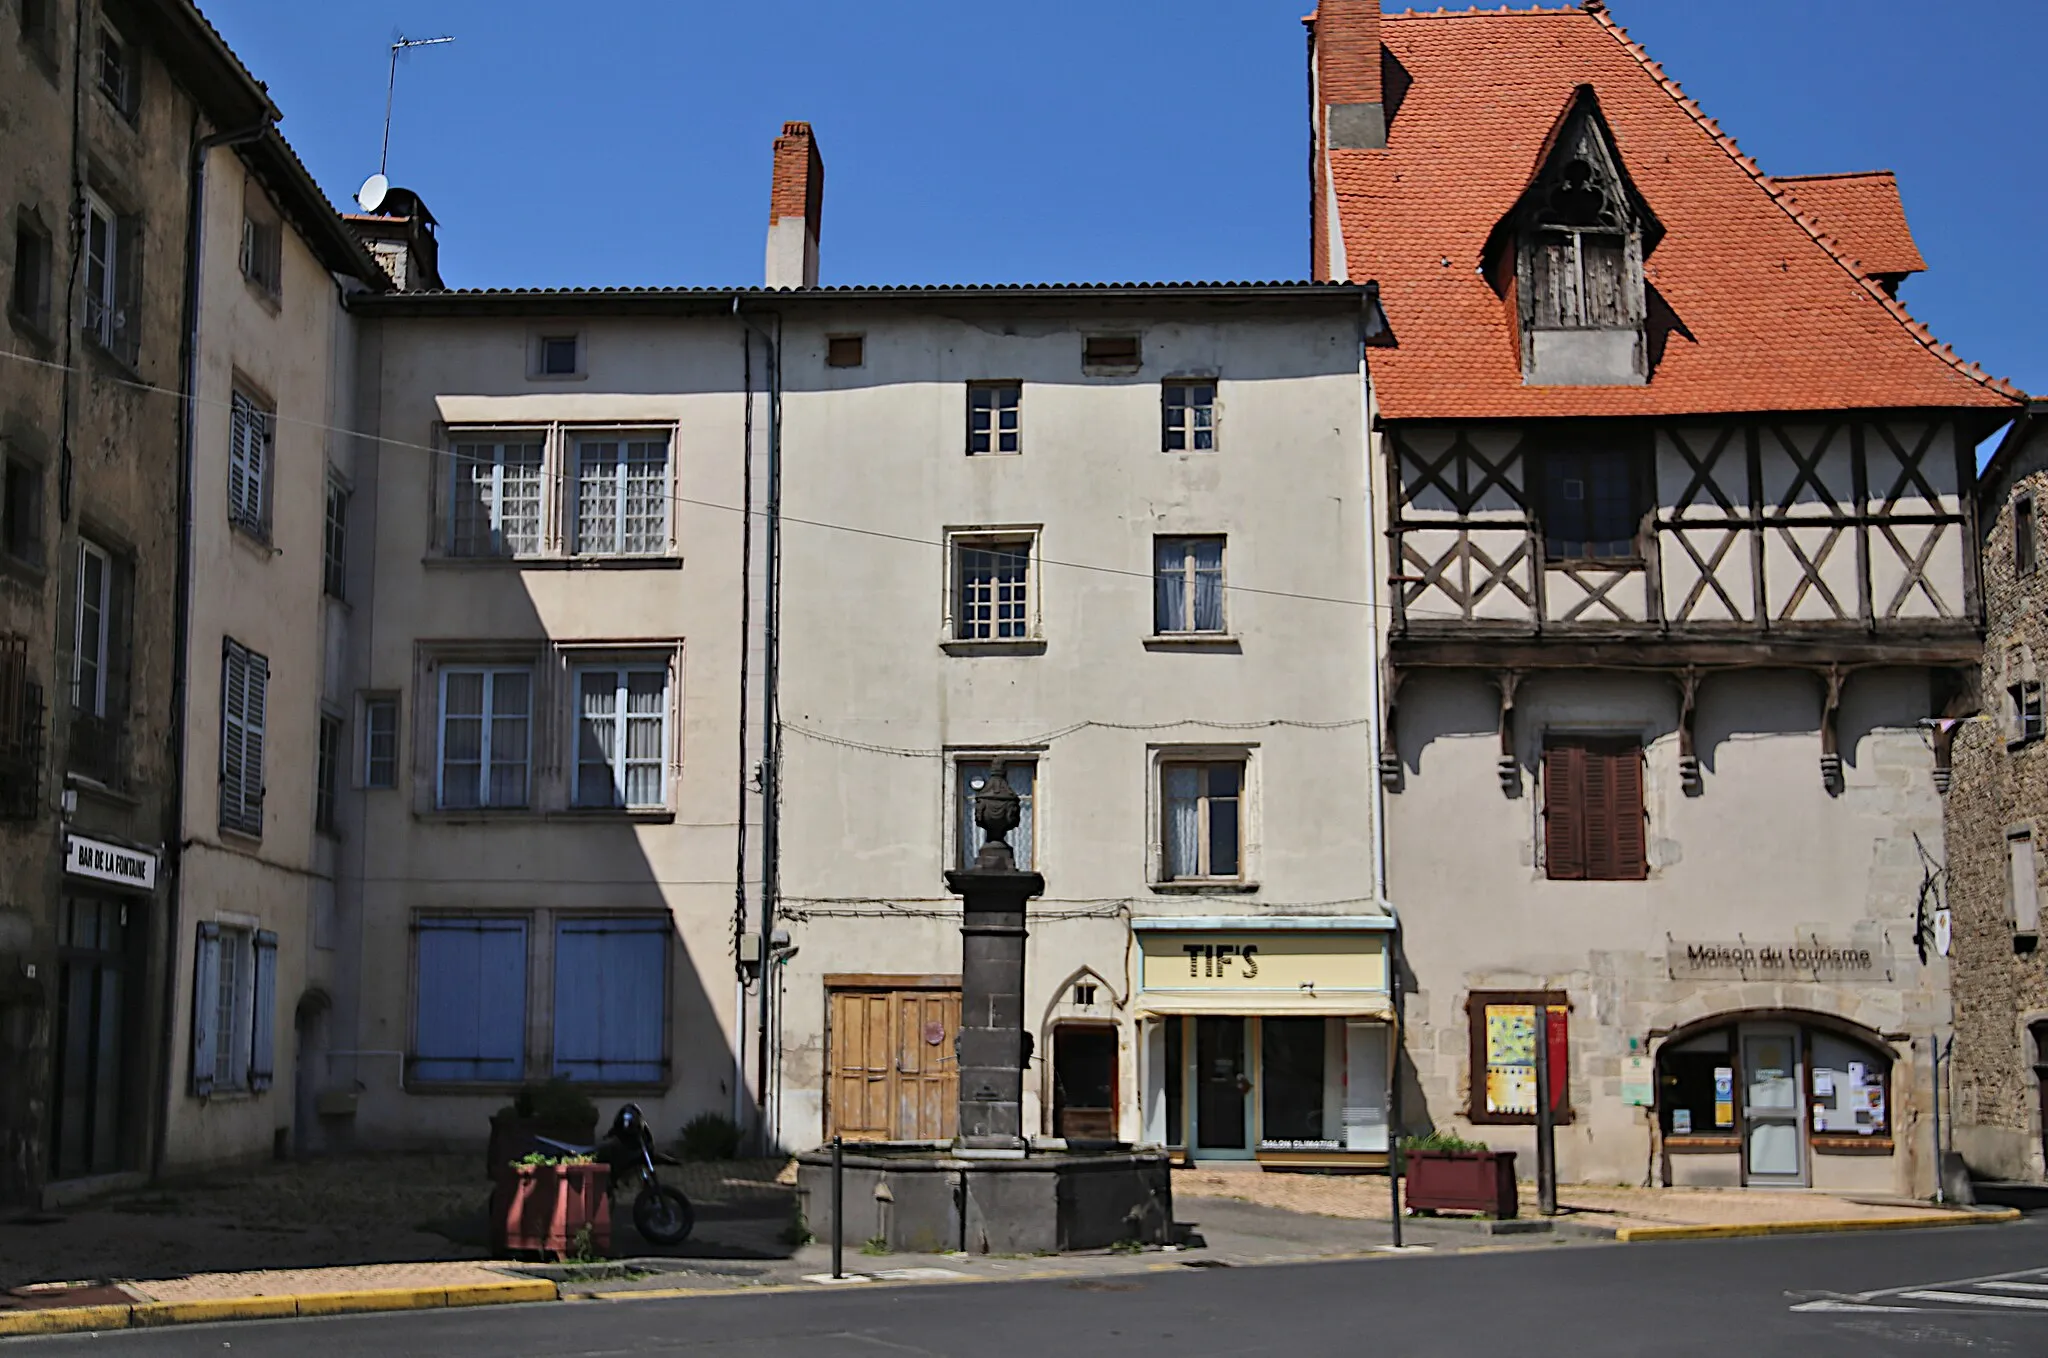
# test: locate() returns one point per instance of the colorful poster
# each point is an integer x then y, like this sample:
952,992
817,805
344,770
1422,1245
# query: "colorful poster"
1681,1122
1724,1096
1511,1058
1637,1087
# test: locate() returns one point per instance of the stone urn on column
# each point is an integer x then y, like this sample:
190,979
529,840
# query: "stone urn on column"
992,1052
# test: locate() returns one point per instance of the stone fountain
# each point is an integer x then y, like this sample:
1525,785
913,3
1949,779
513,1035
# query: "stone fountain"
993,1191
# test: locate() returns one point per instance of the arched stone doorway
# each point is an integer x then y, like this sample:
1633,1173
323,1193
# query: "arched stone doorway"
1775,1098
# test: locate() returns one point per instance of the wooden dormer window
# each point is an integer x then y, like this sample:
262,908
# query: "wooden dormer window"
1578,238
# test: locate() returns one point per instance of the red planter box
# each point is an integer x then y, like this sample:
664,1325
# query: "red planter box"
1462,1181
543,1209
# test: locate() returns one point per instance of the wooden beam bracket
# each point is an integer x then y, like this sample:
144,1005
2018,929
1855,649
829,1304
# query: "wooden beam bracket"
1688,759
1507,681
1830,752
1390,748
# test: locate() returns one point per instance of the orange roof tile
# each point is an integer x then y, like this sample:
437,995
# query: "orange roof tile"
1770,313
1863,213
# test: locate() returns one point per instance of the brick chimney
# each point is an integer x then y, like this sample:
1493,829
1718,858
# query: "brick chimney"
1347,111
1346,38
796,201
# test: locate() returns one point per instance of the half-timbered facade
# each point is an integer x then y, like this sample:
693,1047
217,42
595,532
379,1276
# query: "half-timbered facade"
1681,550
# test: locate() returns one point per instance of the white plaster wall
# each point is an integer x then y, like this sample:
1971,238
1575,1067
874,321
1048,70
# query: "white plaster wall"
268,598
866,835
436,372
1763,852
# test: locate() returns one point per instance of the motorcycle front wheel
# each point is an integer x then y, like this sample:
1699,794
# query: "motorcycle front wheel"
662,1215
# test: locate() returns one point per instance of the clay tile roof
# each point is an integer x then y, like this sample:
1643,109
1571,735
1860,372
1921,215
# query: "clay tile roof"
1863,213
1770,312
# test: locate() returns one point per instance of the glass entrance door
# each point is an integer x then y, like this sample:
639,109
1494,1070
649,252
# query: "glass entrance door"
1773,1134
1222,1088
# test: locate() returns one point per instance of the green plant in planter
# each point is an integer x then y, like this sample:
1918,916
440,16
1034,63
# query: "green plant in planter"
710,1136
1437,1141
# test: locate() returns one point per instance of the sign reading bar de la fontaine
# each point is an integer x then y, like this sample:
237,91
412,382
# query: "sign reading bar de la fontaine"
104,862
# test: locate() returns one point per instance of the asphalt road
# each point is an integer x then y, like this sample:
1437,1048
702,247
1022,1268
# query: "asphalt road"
1980,1290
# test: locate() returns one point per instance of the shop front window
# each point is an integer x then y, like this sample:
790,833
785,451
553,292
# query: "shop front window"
1847,1083
1292,1085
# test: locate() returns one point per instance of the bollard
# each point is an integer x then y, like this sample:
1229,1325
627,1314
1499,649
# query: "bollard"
838,1200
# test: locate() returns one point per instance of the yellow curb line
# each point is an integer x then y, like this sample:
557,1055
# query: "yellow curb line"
1633,1234
149,1314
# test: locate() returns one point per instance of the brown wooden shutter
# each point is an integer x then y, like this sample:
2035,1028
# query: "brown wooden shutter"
1598,800
1564,801
1629,853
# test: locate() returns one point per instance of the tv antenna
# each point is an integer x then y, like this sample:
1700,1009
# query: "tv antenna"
400,44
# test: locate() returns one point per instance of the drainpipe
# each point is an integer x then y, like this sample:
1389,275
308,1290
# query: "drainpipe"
188,364
1374,632
771,744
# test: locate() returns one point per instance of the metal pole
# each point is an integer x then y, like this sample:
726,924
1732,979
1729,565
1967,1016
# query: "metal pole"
838,1199
1940,1194
1394,1039
1546,1131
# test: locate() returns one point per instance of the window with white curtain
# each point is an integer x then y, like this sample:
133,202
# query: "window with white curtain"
1187,593
486,736
495,496
1202,830
972,776
622,736
622,495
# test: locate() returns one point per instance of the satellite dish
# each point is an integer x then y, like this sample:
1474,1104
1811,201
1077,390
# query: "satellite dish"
371,195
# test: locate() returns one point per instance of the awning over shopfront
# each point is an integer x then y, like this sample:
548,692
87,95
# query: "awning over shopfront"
1332,966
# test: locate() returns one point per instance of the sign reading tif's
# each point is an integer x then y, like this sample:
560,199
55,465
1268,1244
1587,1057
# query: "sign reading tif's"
104,862
1263,965
1807,959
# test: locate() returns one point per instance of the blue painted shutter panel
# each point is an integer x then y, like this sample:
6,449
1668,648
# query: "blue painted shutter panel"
263,1031
470,1021
205,1002
611,985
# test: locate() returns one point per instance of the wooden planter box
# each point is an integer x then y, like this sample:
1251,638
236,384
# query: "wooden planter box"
1462,1181
543,1209
515,1138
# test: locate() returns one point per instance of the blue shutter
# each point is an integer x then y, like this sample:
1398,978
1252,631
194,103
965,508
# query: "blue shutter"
470,1019
611,987
205,999
263,1031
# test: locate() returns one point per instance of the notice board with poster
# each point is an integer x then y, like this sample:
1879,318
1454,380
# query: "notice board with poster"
1504,1036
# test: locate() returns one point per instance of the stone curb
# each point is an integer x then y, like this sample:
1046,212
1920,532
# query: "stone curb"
150,1314
1840,1225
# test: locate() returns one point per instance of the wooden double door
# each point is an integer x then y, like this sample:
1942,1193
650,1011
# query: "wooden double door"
891,1058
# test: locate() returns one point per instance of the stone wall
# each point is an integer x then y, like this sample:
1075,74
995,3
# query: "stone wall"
1999,784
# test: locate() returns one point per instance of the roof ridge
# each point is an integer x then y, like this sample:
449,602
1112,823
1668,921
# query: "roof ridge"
1835,250
1475,12
1834,174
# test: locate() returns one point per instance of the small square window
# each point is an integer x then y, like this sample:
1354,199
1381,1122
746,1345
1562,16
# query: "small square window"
972,776
558,356
994,417
1188,410
263,251
1592,504
1110,351
845,351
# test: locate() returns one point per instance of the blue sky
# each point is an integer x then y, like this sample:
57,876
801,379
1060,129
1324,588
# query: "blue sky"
626,141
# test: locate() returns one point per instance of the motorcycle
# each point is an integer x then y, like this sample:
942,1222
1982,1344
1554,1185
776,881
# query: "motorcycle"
661,1214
